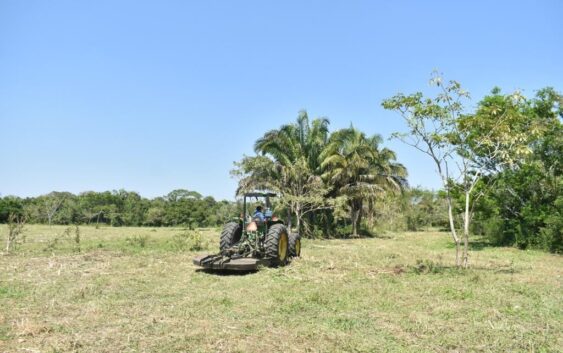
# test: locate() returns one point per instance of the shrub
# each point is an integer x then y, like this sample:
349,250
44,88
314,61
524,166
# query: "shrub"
16,225
191,240
69,235
138,241
426,266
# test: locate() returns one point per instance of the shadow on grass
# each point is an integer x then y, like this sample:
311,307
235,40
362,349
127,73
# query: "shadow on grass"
475,245
375,236
362,234
225,272
350,237
430,267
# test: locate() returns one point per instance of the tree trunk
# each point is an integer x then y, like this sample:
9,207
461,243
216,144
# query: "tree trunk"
457,252
289,223
355,216
298,217
444,177
466,222
453,231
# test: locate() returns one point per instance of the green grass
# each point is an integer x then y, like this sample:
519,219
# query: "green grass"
396,293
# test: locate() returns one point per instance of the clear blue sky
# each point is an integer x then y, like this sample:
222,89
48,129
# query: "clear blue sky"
156,95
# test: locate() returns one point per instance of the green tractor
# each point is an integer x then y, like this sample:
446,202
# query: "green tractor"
250,241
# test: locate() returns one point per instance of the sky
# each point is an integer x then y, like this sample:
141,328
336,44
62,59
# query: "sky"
151,96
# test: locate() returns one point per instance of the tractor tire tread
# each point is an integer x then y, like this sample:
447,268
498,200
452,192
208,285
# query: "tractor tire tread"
230,235
293,237
272,241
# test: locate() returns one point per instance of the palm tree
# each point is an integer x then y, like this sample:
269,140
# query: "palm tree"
293,142
356,168
288,163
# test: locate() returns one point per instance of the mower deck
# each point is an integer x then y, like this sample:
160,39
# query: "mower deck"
218,262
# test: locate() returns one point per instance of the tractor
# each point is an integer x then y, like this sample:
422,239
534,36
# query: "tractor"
250,241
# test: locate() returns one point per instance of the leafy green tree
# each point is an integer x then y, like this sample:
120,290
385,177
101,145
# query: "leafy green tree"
431,124
497,136
69,212
51,204
10,205
357,169
96,206
156,213
525,207
471,143
131,208
424,208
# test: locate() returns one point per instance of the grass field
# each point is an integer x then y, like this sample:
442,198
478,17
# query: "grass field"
136,290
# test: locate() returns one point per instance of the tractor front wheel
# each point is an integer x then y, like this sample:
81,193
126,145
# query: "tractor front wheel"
294,245
277,244
230,235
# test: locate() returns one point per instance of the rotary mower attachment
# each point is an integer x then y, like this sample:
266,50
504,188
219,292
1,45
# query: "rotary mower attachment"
220,262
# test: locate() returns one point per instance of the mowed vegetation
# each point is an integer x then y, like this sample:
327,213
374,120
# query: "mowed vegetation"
135,289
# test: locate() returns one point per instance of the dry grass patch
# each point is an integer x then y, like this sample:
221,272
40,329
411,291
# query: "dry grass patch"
395,294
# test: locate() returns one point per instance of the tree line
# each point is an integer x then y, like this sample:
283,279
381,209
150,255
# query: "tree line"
120,208
416,209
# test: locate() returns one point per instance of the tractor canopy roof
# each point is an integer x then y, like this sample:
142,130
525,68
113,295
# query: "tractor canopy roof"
260,194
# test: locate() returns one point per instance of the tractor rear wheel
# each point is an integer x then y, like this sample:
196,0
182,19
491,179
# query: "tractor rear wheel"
230,235
294,245
277,244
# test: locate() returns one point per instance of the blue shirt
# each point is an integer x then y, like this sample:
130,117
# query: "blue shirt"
259,215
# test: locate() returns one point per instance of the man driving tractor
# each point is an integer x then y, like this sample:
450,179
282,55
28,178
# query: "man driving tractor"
258,213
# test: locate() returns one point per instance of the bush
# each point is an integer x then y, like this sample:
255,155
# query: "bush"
191,240
15,237
137,241
427,266
66,236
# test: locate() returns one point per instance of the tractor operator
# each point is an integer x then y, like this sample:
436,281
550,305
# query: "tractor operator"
258,214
